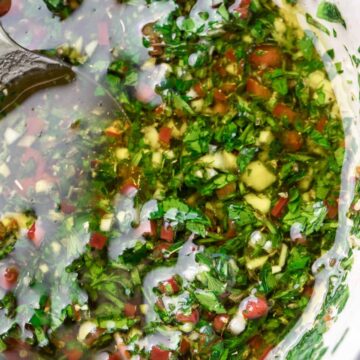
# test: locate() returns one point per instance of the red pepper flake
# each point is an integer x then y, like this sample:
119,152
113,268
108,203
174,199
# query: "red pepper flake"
165,135
97,240
266,352
192,318
167,233
36,234
279,207
159,354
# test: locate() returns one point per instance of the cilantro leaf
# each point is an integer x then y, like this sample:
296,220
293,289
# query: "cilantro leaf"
330,12
209,301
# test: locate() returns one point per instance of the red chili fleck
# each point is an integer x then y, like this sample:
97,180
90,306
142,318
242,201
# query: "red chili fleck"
160,249
167,233
279,207
192,318
265,353
225,191
130,310
159,354
219,95
97,240
184,346
112,131
255,308
165,135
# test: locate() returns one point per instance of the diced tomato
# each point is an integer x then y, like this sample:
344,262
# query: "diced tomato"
34,125
129,188
103,33
281,110
159,354
130,310
67,208
321,124
266,56
146,228
255,308
9,277
5,6
199,90
332,208
225,191
73,354
254,88
279,207
97,240
230,55
165,135
145,93
265,353
219,95
192,318
113,131
167,233
184,346
169,287
292,140
36,234
220,322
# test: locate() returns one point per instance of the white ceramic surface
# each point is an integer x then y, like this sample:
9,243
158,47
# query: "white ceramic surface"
343,337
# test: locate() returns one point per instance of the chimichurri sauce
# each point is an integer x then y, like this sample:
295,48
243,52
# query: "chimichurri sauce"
188,229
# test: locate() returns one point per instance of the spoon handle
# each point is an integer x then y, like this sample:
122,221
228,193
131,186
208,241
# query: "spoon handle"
22,72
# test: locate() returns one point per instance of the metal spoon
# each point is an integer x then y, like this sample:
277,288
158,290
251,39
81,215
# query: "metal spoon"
23,72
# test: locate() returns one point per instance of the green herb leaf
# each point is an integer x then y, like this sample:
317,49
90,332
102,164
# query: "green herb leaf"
330,12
